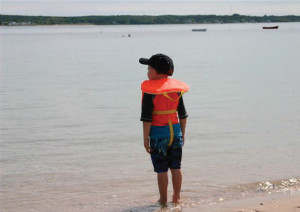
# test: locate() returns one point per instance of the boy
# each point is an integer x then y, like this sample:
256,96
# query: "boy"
162,104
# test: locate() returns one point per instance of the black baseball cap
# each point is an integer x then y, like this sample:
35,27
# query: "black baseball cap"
160,62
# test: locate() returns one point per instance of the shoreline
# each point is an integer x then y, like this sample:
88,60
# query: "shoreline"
24,20
269,23
95,25
279,202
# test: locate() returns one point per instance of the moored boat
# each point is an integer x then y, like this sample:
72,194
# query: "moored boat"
272,27
199,30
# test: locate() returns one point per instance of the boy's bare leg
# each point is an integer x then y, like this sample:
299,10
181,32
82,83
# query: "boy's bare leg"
162,180
177,181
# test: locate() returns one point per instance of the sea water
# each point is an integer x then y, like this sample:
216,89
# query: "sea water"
71,139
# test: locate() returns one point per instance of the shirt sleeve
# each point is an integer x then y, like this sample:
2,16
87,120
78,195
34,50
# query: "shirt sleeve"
182,114
147,107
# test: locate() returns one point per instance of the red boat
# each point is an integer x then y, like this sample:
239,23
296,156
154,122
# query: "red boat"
272,27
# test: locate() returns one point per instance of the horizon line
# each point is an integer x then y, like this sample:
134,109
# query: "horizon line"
147,15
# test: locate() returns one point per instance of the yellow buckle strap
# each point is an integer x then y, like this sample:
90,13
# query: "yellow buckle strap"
167,96
163,112
181,93
171,133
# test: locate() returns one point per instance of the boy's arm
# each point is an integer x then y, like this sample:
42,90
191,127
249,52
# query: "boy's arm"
146,131
182,116
182,125
146,118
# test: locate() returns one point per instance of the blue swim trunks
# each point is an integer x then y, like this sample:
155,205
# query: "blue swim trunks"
164,157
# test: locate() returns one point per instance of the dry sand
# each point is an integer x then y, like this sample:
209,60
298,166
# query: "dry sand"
270,203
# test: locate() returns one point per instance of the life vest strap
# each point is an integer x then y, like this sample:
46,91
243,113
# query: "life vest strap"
171,133
163,112
167,96
181,93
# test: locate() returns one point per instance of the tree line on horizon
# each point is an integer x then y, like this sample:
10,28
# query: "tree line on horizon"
143,19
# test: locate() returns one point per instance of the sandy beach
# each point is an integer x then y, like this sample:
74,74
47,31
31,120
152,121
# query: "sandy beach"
270,203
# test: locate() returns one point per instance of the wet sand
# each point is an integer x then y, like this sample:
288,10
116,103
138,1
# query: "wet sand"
270,203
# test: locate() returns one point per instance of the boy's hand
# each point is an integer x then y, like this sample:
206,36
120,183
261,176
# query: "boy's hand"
146,145
146,132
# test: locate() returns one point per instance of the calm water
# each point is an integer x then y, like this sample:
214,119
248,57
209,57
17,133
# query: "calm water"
71,139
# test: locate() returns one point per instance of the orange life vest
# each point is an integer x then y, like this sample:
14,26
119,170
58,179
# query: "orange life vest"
166,101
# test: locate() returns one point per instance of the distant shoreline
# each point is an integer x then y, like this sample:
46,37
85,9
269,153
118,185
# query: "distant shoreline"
21,20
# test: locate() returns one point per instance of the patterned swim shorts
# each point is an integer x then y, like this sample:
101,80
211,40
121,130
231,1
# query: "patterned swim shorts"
164,157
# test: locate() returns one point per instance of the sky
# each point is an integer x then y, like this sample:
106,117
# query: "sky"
149,7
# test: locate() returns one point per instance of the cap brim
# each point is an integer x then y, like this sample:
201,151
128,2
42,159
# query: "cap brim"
144,61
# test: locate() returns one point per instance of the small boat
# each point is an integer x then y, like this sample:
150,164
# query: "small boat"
272,27
199,30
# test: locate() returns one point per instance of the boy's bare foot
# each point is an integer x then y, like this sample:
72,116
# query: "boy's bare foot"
162,204
177,207
176,200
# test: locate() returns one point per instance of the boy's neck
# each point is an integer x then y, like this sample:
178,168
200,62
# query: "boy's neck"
161,76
